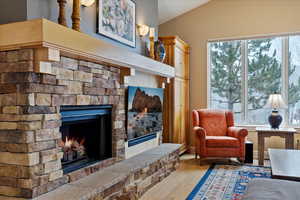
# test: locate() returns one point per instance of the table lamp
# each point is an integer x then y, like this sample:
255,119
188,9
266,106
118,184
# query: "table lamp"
275,102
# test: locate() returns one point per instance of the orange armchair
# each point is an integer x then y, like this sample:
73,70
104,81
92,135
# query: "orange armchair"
216,135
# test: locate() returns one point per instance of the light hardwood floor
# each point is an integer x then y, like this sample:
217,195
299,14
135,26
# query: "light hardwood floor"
180,183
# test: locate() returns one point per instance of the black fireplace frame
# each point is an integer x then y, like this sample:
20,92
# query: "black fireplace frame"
70,114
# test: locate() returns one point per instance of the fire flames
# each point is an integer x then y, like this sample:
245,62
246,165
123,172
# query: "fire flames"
73,148
68,143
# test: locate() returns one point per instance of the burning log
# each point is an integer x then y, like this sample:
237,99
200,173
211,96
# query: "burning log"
73,149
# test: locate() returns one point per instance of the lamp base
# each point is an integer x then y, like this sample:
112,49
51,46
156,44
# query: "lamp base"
275,119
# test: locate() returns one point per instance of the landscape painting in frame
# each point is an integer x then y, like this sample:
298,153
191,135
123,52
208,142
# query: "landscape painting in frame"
144,116
116,20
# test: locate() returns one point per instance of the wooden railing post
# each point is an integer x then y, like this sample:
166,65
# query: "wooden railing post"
62,12
76,15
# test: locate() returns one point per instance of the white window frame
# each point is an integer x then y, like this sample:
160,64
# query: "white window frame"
244,57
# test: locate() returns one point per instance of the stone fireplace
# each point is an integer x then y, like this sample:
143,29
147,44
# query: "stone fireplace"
50,84
57,127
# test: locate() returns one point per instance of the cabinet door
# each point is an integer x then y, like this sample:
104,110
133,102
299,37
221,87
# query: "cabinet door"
177,125
179,62
180,120
182,126
177,91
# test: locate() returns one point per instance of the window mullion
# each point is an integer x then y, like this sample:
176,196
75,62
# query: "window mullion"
244,80
285,74
208,99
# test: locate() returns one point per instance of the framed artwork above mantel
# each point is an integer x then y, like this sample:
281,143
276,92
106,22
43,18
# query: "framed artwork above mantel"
116,20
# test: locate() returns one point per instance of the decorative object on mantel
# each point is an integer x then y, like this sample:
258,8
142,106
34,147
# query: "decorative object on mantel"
116,20
76,15
143,30
62,12
87,3
159,51
151,32
275,102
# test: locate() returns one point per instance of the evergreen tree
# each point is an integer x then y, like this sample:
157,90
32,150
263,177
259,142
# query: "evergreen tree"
226,78
294,93
264,74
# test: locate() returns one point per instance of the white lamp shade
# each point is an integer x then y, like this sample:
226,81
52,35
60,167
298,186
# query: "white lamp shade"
87,3
275,101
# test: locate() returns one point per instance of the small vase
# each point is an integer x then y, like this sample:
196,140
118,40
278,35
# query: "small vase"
159,51
275,119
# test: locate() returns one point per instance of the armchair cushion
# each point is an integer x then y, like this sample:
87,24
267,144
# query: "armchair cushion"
214,122
222,142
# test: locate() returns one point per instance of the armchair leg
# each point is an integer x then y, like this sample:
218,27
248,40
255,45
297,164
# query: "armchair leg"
196,155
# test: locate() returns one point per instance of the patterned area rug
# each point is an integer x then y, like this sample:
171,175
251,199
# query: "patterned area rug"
227,182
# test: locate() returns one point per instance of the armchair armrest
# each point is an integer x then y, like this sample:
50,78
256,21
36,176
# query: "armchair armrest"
237,132
200,132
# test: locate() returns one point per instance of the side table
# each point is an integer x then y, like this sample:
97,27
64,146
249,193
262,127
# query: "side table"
263,132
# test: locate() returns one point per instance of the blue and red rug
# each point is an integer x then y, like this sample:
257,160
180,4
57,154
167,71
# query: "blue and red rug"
227,182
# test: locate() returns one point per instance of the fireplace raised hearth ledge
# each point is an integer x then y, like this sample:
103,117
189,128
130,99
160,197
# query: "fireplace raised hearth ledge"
53,40
128,179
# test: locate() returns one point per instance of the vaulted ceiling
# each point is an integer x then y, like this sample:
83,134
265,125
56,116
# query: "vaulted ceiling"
169,9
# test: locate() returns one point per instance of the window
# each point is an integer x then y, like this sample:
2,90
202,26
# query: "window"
226,76
243,73
264,76
294,80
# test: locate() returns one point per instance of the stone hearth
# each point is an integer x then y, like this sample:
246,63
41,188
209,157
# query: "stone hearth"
30,155
126,180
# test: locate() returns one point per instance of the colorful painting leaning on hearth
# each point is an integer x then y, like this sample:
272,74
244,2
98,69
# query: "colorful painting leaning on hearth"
116,20
144,115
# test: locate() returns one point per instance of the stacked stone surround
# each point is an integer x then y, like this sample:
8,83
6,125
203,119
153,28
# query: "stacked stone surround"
30,156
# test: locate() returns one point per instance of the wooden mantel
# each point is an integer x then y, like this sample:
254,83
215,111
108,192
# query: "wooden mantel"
41,33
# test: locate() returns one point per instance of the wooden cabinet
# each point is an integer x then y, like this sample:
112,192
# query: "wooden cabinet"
176,100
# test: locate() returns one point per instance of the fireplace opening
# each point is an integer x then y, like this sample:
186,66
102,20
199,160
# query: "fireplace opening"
86,136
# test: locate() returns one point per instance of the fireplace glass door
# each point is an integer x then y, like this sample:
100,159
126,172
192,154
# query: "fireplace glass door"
86,135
